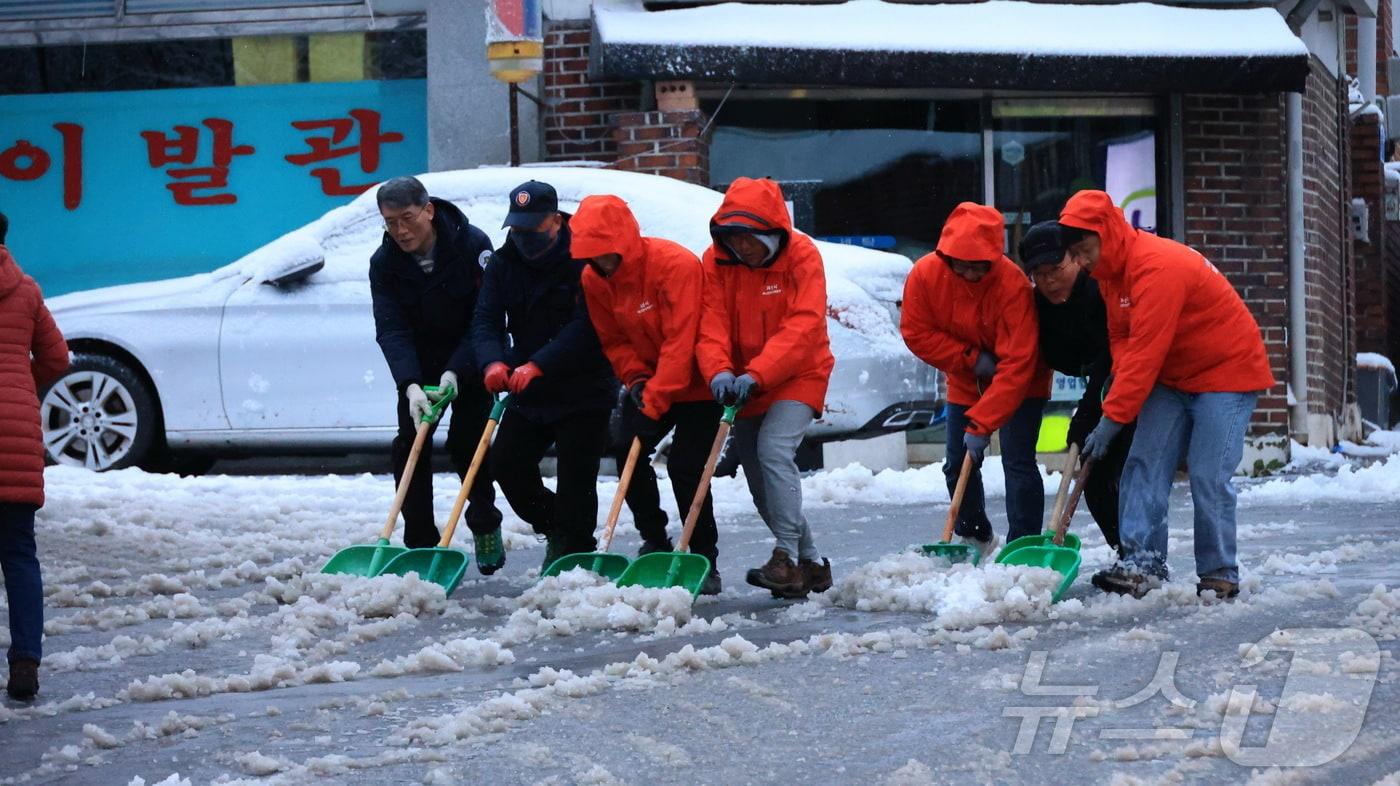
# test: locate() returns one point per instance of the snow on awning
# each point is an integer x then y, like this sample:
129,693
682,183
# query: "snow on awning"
999,44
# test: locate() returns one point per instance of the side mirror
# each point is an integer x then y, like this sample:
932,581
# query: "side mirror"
293,272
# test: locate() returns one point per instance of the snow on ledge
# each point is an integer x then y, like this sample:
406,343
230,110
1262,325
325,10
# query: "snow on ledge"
996,26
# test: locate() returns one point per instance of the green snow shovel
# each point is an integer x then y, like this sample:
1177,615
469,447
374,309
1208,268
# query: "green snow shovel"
1071,540
679,568
1055,555
603,562
442,565
369,560
945,548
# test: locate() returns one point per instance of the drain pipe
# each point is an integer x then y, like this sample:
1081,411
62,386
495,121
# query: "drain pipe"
1297,283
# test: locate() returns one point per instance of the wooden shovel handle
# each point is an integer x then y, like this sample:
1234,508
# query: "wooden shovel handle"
478,459
624,481
705,477
1066,472
958,492
1063,523
402,493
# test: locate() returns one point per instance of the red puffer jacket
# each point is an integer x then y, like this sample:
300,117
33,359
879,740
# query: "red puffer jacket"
768,322
1173,317
32,354
647,313
948,321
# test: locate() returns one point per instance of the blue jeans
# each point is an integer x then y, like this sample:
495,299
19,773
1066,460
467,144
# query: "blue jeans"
23,586
1207,430
1025,491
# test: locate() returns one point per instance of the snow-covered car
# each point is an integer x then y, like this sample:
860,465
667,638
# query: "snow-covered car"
275,353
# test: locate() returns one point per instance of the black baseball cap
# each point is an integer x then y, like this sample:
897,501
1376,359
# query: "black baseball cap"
530,203
1042,245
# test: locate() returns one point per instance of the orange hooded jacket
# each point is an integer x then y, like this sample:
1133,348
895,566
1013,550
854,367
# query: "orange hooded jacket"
948,321
647,313
768,322
1173,317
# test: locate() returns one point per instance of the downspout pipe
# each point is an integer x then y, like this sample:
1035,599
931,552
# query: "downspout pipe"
1297,270
1366,56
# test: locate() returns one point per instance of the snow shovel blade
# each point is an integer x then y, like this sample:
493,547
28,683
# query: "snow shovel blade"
444,567
363,560
603,563
1028,541
1063,560
953,552
663,569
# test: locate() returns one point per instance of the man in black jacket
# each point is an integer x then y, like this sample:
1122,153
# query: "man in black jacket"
1074,341
423,281
561,386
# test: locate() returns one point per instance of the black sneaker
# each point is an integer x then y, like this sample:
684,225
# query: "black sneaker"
24,680
650,546
712,584
1125,581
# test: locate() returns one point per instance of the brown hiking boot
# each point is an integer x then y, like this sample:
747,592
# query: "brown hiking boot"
1223,589
780,576
816,578
24,680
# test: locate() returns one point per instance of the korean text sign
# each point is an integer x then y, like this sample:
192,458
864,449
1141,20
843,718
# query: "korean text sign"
110,188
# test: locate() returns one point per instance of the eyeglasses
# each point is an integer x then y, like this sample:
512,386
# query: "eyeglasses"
393,224
967,268
1048,272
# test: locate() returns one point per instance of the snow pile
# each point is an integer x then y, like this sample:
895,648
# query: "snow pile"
255,763
1325,561
382,596
446,656
268,672
173,780
578,600
999,26
958,596
1378,482
1378,614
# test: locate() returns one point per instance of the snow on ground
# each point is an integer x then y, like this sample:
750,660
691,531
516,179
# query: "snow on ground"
190,638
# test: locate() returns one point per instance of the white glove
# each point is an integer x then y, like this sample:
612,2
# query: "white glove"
449,380
418,404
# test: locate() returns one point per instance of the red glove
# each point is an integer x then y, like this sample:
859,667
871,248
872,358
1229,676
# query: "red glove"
522,376
496,378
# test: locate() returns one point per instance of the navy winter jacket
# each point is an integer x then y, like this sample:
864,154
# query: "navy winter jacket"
532,310
423,321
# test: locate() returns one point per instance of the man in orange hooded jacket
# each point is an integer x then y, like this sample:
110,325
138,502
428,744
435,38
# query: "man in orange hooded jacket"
643,296
969,311
763,344
1188,363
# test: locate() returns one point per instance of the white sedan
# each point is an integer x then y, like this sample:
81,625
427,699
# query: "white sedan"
275,353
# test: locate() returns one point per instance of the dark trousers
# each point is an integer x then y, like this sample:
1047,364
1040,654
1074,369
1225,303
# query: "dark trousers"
1101,487
696,423
1025,491
469,413
570,512
24,587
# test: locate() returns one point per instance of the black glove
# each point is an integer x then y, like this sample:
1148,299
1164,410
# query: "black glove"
635,393
636,424
1084,420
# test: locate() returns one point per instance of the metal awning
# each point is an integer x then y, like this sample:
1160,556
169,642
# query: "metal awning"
994,45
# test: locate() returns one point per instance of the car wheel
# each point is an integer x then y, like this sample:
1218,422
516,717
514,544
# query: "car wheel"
99,415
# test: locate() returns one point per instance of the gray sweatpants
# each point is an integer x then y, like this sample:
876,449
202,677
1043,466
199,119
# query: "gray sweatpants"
767,449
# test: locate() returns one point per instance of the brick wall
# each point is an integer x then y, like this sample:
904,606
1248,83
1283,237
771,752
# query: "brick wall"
663,143
1236,214
1327,236
1372,295
575,119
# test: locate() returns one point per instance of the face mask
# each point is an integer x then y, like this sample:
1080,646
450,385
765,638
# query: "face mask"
531,244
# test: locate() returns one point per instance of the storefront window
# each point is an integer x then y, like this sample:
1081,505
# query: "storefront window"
1045,150
879,173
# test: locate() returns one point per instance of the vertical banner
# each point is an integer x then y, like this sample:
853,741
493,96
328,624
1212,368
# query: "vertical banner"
1131,179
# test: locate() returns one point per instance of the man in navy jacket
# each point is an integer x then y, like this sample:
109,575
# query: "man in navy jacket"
424,280
533,338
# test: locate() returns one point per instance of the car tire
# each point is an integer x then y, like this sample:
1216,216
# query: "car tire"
116,432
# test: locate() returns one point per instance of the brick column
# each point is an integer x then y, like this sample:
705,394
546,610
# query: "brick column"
663,143
576,118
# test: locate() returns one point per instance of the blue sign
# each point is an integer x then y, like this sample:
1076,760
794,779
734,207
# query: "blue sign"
864,241
112,188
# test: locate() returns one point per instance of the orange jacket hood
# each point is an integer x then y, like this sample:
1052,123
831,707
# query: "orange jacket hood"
1095,211
756,205
973,233
605,225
